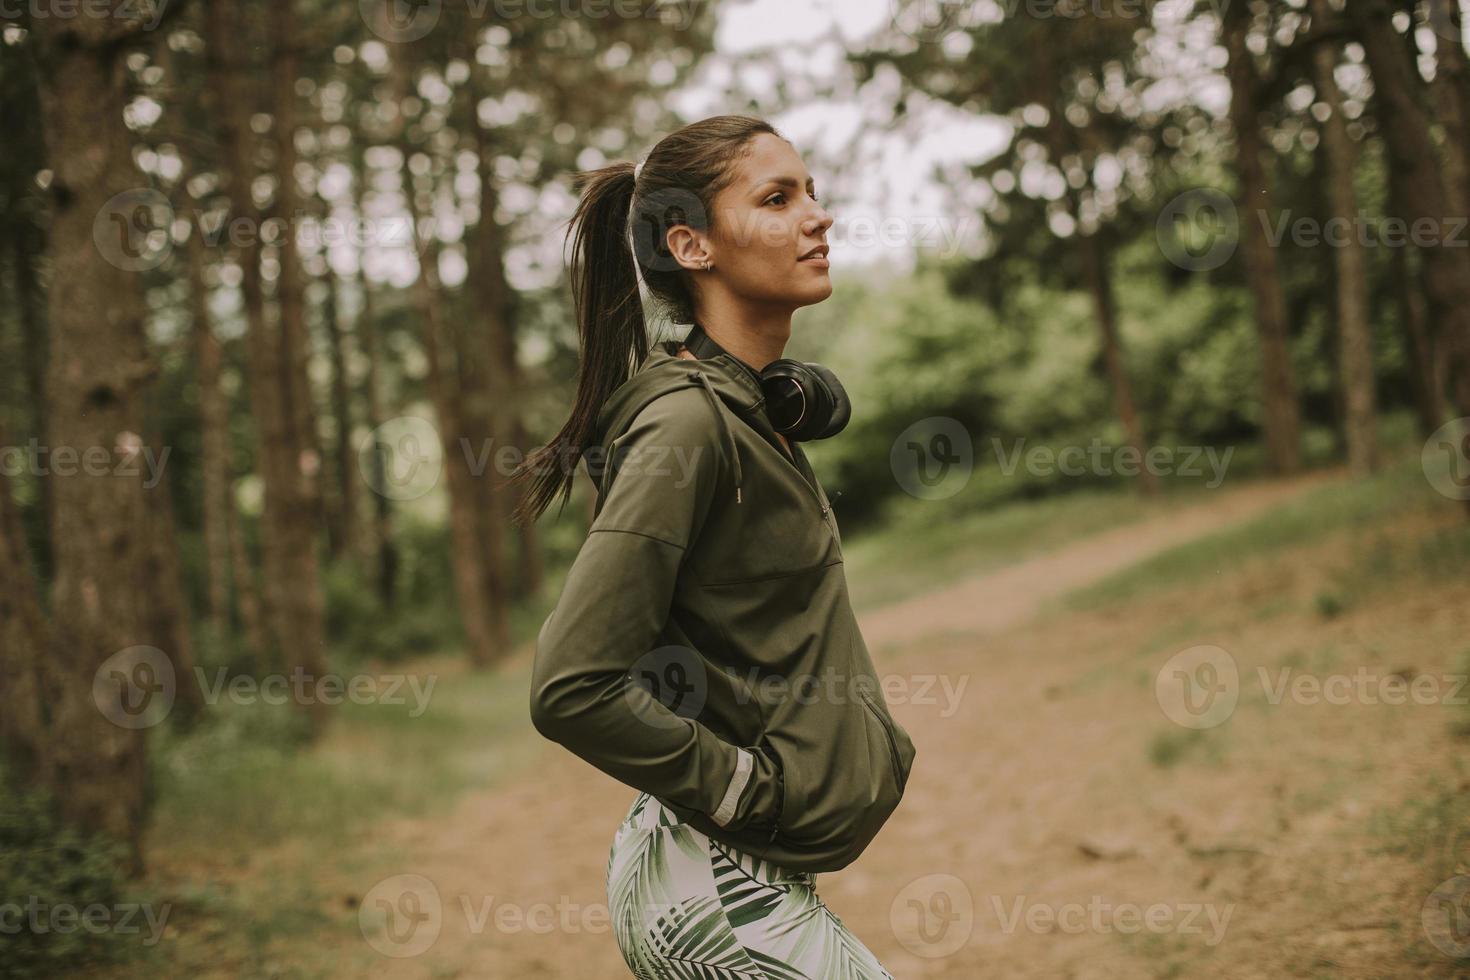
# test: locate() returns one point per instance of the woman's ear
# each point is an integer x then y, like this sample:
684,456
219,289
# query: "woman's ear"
689,248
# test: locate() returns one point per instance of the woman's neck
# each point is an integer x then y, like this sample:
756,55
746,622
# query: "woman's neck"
755,337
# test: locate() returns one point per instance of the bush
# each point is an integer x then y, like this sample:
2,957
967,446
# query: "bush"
48,867
423,617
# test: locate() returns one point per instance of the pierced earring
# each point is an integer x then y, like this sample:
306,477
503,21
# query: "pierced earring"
708,265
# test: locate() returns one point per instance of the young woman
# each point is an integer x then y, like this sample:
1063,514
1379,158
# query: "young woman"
703,649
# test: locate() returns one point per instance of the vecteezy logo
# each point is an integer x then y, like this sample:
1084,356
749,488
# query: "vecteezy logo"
1198,230
653,215
933,916
400,21
933,458
1446,459
132,230
1446,917
134,688
401,916
673,676
402,458
1198,687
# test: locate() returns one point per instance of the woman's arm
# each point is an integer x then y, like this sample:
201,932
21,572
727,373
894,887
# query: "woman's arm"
612,611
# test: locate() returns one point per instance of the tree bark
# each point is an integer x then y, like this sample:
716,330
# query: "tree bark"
247,592
97,372
293,605
1355,337
342,516
213,442
1425,383
24,649
1096,274
1281,420
1450,95
495,302
227,559
28,243
1413,159
384,551
471,576
298,603
166,617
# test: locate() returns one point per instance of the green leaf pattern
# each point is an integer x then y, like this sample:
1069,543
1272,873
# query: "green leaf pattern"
686,907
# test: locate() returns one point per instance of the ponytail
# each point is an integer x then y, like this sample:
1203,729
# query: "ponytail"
610,327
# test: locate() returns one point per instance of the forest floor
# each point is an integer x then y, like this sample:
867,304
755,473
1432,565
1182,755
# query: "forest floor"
1057,823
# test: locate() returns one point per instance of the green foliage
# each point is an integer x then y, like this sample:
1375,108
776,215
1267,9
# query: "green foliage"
48,869
1028,376
422,617
1330,605
1169,747
436,737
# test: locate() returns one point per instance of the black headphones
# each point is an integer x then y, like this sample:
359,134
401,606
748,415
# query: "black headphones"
803,400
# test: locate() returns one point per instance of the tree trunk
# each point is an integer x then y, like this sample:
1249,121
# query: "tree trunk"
383,549
1413,323
1450,94
342,516
1355,337
227,559
94,766
1415,165
293,605
298,603
29,243
1280,415
1096,274
471,577
213,443
24,646
495,301
166,618
247,593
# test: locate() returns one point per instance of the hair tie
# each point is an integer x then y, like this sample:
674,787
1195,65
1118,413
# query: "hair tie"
638,169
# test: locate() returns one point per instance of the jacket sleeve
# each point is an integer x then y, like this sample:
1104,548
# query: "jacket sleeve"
612,610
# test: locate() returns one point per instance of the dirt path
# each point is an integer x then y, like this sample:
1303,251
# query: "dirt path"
1035,833
1010,596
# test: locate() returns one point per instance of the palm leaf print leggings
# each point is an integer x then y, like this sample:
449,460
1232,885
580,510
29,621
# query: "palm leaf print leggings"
685,906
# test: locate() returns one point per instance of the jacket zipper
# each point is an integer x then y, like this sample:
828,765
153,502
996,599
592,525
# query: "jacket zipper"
822,503
775,441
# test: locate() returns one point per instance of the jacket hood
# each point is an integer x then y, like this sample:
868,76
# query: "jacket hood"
723,377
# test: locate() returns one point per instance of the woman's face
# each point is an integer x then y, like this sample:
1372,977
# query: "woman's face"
766,224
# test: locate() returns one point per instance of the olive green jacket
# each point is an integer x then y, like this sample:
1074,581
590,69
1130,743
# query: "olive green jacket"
703,649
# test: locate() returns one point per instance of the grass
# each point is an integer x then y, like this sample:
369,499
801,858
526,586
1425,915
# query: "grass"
1433,829
248,824
921,544
1171,746
921,547
1397,491
244,769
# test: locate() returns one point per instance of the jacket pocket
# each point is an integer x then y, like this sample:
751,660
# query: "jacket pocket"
899,776
837,800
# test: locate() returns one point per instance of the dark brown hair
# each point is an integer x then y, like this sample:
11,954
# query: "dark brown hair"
676,185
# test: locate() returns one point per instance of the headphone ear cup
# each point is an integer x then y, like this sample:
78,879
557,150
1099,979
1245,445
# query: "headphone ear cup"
841,405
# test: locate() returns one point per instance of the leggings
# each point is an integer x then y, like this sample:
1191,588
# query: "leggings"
683,905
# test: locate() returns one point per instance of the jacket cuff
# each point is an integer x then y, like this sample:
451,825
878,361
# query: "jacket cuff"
744,764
